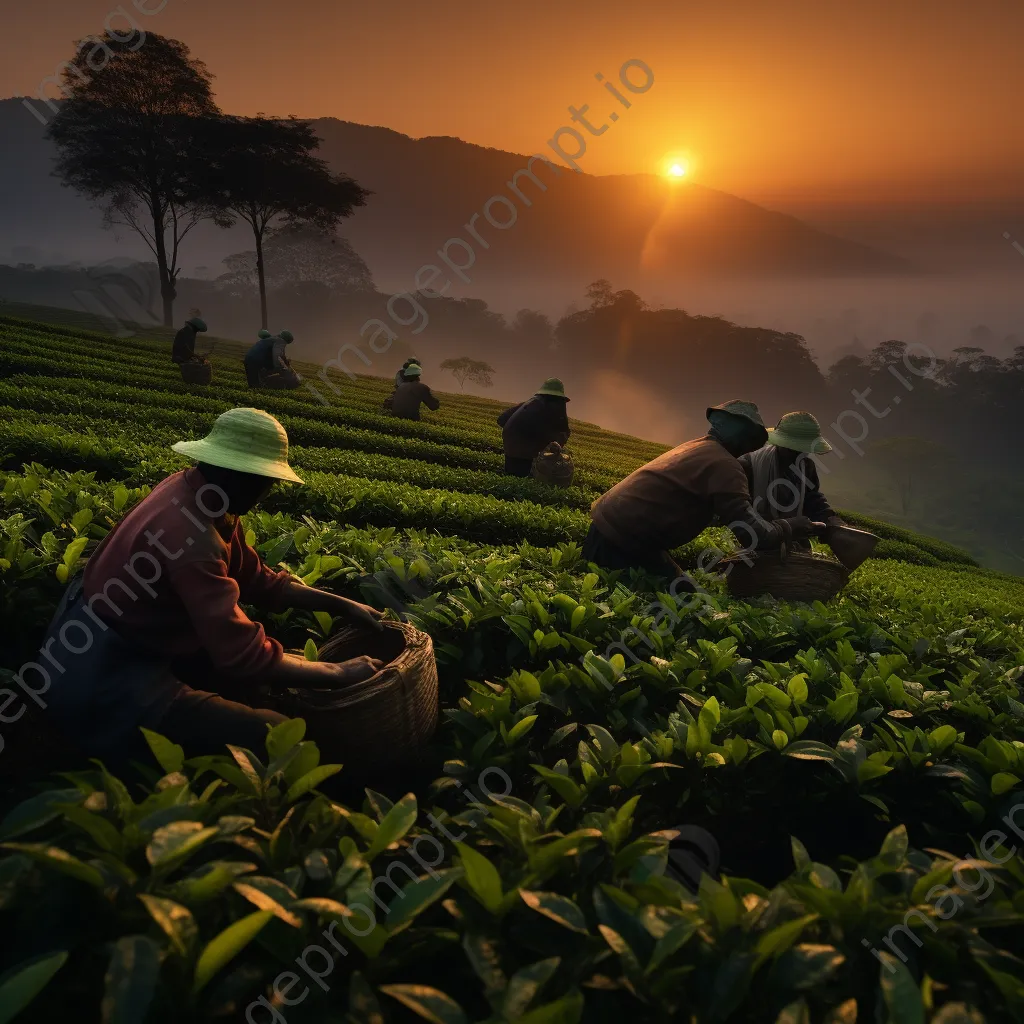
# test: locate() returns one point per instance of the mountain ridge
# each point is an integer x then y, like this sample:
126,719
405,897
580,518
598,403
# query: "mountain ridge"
632,228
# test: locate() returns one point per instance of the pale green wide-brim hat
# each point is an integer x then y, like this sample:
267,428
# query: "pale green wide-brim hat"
736,407
800,432
246,440
554,387
413,370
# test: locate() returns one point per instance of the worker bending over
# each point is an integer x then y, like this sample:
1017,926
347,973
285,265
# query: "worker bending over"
411,394
672,499
267,356
783,478
183,348
528,428
161,596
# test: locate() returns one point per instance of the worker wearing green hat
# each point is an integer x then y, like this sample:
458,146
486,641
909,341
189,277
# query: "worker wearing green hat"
183,348
267,357
668,502
529,427
783,477
168,646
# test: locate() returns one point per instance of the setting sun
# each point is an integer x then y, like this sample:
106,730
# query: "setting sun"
677,170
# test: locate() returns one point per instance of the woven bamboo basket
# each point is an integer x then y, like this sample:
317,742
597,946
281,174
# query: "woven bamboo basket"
786,575
383,722
196,373
283,380
554,466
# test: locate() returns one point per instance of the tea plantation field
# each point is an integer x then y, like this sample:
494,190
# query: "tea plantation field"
860,763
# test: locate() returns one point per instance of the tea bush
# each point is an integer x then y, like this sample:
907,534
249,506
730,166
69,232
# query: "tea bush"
860,763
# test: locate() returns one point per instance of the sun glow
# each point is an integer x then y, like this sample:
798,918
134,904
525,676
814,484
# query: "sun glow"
677,170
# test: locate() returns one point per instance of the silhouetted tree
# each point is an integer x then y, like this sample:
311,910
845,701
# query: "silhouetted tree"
266,172
473,370
130,134
295,254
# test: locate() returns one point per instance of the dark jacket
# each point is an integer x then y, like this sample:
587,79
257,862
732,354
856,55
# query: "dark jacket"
409,397
183,349
778,478
267,354
528,428
673,498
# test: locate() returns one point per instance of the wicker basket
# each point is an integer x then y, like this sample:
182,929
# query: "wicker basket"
786,575
283,380
386,720
196,373
554,466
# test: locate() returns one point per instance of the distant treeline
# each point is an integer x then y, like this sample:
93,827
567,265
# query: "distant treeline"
969,403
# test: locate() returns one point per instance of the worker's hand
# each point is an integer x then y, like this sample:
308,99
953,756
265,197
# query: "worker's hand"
356,670
833,523
803,527
314,600
361,615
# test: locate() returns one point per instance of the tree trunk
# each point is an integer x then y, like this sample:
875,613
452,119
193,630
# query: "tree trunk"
261,275
167,290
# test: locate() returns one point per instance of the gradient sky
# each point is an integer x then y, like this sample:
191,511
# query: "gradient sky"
874,99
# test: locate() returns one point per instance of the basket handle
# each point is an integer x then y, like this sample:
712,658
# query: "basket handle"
787,536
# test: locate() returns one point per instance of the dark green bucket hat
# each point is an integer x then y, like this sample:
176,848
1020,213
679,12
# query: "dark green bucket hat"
198,323
554,387
737,407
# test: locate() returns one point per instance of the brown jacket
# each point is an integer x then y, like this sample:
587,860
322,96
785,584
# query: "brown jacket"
673,498
408,397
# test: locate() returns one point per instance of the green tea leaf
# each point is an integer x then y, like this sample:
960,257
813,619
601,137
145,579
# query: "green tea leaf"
227,945
481,877
26,981
524,985
172,844
176,921
900,992
131,980
169,755
429,1003
567,1010
60,860
310,781
37,811
284,736
395,824
416,896
520,729
557,908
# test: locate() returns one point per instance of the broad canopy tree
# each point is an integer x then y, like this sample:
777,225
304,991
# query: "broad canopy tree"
266,172
474,370
130,135
297,253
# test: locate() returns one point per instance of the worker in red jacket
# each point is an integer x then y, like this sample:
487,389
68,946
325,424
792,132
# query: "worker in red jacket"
154,634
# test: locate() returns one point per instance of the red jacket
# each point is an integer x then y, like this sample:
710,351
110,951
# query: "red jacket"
169,578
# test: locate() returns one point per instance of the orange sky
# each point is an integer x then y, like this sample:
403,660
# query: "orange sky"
874,99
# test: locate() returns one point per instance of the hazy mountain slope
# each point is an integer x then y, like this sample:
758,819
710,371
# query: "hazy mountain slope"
425,191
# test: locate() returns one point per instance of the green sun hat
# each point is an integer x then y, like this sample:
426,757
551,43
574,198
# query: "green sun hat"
286,336
554,387
264,334
413,370
198,323
246,440
747,410
800,432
